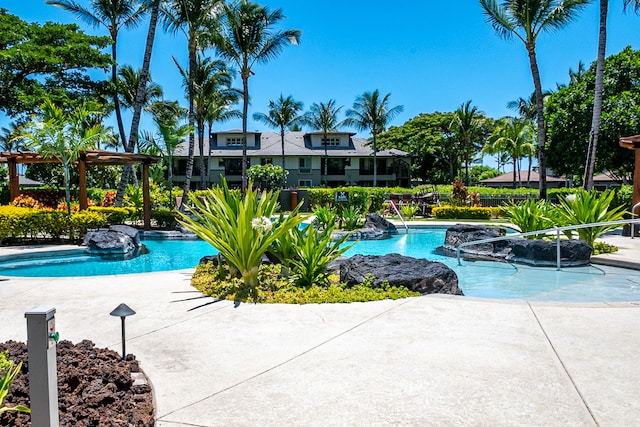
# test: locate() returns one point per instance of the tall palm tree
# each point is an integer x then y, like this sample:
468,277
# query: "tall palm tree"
249,37
587,182
513,136
168,117
10,139
372,112
466,126
129,80
113,15
210,78
283,114
323,117
526,19
195,18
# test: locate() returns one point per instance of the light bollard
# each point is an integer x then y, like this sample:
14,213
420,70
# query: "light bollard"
43,376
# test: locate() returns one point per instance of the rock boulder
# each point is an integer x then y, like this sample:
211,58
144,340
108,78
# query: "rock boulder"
416,274
119,241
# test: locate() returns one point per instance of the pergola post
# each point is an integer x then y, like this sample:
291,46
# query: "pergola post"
633,143
146,199
14,180
82,182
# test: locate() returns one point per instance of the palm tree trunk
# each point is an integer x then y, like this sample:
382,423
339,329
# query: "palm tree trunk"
192,142
375,162
514,171
284,183
326,159
203,184
542,135
529,173
116,100
587,182
245,112
142,84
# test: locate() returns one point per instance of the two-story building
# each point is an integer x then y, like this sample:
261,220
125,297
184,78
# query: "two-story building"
350,160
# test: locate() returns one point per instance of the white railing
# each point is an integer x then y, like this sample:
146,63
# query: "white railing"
395,208
556,230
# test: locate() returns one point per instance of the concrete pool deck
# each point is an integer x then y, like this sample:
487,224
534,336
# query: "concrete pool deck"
433,360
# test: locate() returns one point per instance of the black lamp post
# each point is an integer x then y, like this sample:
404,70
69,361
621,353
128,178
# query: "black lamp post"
123,310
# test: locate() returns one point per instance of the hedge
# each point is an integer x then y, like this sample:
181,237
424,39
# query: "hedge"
370,198
461,212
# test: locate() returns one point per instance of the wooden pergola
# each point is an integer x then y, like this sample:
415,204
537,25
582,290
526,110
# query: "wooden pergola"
86,159
633,143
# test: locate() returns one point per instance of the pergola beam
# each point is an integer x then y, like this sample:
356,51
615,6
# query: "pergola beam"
633,143
86,159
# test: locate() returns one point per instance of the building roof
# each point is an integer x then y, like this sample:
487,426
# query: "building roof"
508,178
296,144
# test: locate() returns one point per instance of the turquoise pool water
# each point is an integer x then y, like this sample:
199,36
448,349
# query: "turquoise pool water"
479,279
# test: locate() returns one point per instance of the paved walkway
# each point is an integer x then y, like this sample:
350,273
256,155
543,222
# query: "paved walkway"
431,360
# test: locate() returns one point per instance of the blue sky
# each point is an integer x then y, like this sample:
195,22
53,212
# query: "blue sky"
430,55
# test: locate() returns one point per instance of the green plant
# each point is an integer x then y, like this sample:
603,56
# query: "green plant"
325,216
351,218
165,218
239,226
588,207
461,212
459,194
603,248
409,211
315,250
6,380
269,176
530,215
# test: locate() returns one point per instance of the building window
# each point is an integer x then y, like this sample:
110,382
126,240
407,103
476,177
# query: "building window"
233,166
234,141
305,183
331,142
304,165
335,166
266,161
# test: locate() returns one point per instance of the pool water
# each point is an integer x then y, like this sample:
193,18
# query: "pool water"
479,279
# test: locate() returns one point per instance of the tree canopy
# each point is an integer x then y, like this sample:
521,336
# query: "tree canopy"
569,114
47,61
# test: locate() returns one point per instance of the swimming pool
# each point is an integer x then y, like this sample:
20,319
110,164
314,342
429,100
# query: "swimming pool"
479,279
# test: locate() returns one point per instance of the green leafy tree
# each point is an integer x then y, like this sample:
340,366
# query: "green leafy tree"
283,114
372,112
249,36
167,117
429,138
61,135
526,20
569,117
598,91
267,176
47,61
323,117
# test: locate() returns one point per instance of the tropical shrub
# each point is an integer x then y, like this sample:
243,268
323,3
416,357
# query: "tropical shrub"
165,218
531,215
461,212
239,226
315,250
8,375
326,216
115,215
459,194
588,207
85,220
269,176
409,211
624,198
351,218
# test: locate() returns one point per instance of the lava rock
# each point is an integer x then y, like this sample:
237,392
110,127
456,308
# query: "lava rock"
376,222
544,253
416,274
119,241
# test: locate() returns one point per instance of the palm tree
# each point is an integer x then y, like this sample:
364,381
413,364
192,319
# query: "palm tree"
526,19
283,114
587,182
513,136
466,125
129,80
10,138
63,136
371,112
248,37
195,18
323,117
113,15
210,78
167,116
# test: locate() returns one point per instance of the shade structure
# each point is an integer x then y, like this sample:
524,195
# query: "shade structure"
633,143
